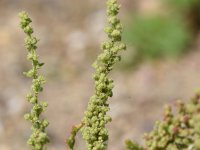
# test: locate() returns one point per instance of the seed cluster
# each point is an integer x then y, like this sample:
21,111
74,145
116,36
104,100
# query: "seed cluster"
38,138
180,131
177,132
96,118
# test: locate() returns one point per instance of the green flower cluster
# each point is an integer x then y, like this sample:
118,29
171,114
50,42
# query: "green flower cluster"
96,118
38,138
180,131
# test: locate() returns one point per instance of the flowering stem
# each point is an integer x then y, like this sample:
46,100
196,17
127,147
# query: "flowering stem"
96,118
38,137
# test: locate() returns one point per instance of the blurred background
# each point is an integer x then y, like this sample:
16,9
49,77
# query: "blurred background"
161,65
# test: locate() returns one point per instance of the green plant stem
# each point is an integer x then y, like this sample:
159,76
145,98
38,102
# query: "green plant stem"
38,138
71,140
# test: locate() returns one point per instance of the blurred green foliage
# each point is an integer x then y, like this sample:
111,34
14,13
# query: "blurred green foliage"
163,36
182,4
156,37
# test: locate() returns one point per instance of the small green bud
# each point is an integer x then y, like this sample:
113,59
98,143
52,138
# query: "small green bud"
108,30
24,19
122,46
119,26
113,20
29,74
27,116
29,96
28,30
106,45
45,123
30,142
116,33
33,100
44,104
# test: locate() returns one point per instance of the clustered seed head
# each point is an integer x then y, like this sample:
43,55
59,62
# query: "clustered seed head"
38,138
180,131
96,118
